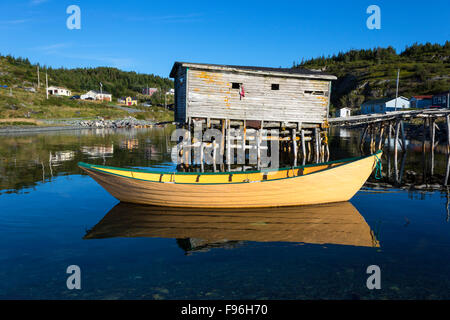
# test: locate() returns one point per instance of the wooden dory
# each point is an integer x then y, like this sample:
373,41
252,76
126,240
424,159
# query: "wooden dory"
311,184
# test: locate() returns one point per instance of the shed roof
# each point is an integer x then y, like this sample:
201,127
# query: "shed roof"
383,100
292,72
422,97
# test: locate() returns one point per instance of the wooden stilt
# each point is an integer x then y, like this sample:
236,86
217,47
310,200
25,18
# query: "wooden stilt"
363,136
322,153
228,144
448,133
258,148
328,152
309,150
424,134
371,132
403,136
202,157
380,143
402,167
432,143
222,142
214,155
302,132
243,145
316,142
294,145
397,132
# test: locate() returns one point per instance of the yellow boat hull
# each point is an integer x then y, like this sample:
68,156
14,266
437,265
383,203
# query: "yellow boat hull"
316,184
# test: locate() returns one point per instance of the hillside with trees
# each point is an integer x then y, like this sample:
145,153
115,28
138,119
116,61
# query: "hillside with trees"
17,102
370,74
20,72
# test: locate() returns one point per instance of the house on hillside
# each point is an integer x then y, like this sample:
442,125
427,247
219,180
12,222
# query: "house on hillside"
420,102
442,99
257,94
97,95
59,91
385,105
30,89
149,91
129,101
343,112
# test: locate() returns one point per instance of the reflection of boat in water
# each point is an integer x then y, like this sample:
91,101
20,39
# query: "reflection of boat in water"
311,184
337,223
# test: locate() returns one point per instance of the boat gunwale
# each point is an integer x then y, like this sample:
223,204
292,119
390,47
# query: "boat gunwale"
345,162
353,159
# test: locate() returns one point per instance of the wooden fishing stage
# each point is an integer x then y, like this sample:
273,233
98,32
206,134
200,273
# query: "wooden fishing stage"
250,109
379,129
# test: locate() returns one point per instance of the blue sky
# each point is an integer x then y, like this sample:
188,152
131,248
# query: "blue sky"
148,36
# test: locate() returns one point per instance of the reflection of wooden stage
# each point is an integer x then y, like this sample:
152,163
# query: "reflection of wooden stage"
337,223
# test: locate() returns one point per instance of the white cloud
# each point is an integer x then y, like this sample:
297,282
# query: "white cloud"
37,2
12,22
53,47
191,17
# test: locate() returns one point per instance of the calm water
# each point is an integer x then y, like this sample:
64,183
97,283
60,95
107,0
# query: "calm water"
53,216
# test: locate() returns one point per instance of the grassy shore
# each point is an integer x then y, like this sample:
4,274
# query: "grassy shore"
27,108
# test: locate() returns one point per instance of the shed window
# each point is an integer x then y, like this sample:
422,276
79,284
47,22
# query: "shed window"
235,85
315,93
275,86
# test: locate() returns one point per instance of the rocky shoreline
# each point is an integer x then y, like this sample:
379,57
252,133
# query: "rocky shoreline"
128,122
77,124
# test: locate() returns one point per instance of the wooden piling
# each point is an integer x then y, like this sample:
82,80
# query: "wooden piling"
371,132
432,143
380,143
424,137
294,145
214,145
302,132
403,136
448,133
397,132
316,142
363,136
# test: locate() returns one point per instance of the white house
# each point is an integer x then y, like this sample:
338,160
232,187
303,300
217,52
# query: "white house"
59,91
97,95
384,105
171,92
343,112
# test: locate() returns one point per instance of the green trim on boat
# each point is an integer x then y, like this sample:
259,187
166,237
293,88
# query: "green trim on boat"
94,166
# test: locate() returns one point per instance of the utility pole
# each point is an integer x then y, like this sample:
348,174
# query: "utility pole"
396,92
46,83
39,82
165,101
101,88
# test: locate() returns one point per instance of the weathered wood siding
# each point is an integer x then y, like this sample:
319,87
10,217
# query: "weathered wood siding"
180,95
210,95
